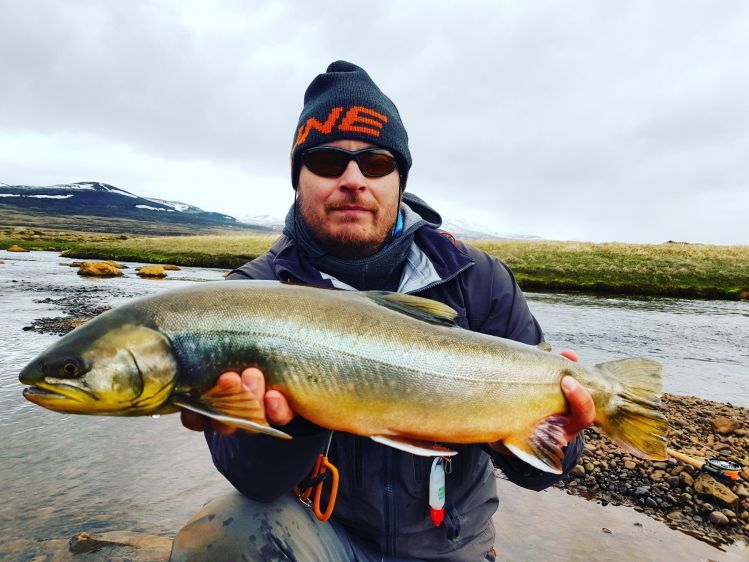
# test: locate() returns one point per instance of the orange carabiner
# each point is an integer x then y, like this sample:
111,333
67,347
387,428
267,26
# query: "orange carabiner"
324,465
304,495
323,469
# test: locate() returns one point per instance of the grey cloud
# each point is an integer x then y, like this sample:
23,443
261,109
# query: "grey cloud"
510,106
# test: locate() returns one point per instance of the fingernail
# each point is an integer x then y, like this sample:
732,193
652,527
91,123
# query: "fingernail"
251,381
568,383
273,403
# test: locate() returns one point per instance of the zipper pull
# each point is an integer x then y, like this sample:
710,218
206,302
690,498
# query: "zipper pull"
437,492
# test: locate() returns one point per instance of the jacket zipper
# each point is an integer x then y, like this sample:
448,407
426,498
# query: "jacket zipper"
441,281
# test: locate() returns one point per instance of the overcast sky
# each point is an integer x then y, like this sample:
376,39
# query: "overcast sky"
569,120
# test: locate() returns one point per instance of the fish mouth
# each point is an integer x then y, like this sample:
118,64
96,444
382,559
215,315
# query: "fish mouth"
57,396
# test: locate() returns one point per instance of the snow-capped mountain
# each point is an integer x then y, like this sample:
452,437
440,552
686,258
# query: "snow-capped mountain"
98,199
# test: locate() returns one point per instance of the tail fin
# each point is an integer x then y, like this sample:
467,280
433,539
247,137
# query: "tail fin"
631,415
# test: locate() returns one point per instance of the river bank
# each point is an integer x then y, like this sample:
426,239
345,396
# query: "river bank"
667,270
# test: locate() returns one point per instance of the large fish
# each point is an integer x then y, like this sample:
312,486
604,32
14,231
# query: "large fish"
391,366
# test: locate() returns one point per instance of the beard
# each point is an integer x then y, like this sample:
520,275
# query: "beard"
348,237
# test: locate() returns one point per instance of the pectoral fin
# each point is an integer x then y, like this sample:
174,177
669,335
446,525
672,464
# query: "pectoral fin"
251,420
413,446
542,448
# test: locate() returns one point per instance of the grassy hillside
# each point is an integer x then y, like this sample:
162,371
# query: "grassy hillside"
672,269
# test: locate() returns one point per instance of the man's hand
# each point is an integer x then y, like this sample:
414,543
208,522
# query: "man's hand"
250,385
581,411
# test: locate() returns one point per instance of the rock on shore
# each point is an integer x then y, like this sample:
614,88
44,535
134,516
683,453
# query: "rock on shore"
685,498
99,269
152,271
110,545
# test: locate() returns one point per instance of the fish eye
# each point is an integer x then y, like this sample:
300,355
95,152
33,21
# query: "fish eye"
70,369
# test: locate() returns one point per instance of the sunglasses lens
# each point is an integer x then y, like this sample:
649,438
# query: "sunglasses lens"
326,163
376,164
330,162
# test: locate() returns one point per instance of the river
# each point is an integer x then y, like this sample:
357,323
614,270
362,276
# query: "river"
62,474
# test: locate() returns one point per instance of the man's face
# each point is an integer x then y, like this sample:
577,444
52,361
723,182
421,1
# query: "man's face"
350,216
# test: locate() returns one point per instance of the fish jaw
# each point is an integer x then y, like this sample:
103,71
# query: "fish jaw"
57,398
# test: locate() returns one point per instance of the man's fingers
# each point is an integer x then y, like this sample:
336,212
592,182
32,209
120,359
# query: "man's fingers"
582,410
232,390
277,409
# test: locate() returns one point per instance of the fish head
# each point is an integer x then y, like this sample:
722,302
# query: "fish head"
103,367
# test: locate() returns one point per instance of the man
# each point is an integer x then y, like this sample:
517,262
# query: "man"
352,226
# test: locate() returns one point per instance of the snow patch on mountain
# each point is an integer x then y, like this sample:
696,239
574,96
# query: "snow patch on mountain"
154,208
78,186
176,205
37,196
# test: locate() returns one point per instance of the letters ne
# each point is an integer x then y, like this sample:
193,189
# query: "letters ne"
355,120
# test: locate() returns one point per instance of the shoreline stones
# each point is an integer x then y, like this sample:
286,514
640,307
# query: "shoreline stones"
678,494
16,248
78,308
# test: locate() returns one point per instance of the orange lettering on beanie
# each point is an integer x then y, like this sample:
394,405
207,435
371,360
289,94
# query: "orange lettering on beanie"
313,123
354,121
354,115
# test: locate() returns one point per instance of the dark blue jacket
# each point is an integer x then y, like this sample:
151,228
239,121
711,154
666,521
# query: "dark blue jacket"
383,492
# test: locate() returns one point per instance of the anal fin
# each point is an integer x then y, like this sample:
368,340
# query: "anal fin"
542,449
414,446
253,423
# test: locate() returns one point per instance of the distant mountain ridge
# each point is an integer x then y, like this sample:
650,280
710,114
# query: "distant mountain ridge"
95,199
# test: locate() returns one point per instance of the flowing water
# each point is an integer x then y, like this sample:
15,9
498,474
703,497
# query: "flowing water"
703,345
62,474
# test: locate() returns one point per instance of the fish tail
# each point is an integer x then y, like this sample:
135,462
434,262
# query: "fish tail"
629,410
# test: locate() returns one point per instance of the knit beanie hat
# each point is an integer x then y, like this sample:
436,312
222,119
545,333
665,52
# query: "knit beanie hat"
344,103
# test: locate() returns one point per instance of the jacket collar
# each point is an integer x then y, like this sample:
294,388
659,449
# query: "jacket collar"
432,259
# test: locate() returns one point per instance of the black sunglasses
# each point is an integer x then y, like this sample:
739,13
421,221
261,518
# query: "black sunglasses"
331,161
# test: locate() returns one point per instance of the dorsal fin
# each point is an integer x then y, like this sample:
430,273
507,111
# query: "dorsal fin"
420,308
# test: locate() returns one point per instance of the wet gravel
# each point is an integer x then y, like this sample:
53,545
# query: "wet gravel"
76,313
674,492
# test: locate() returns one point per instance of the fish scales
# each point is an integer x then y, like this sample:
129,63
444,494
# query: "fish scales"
400,363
